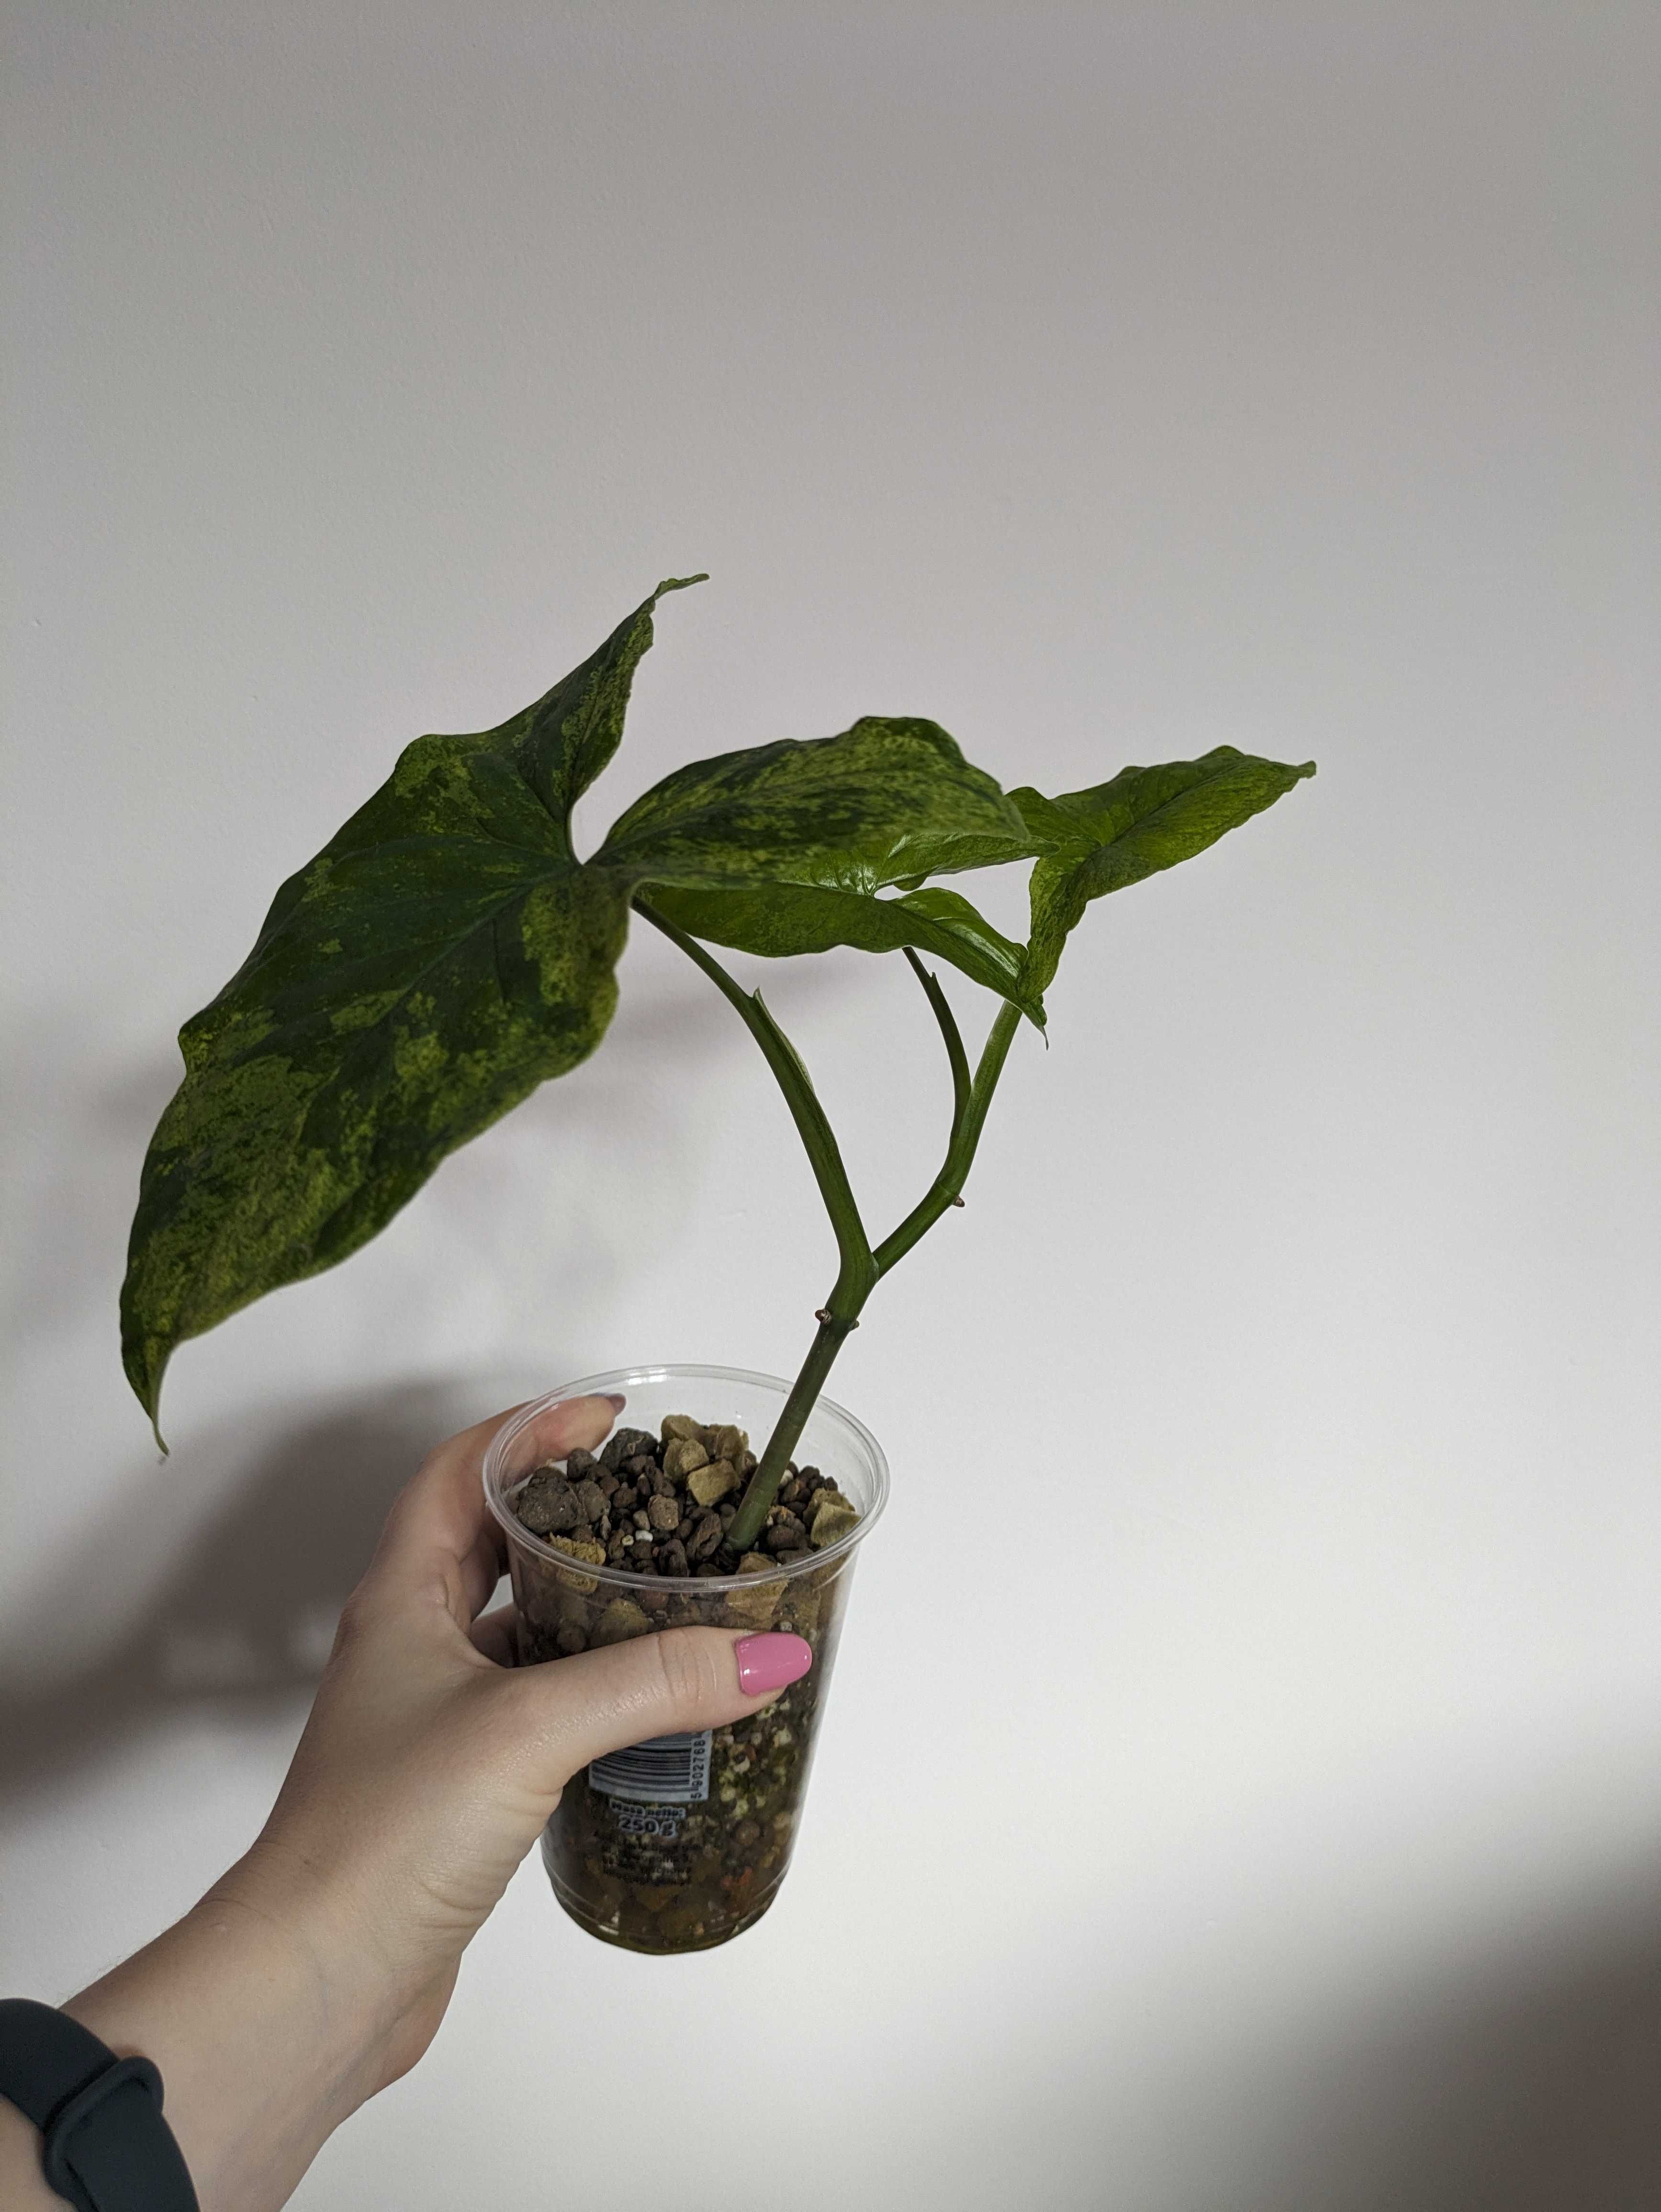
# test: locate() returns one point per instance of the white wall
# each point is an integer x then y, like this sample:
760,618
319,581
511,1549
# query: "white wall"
1107,383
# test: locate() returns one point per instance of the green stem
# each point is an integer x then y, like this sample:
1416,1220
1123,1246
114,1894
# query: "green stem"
857,1273
948,1187
953,1035
970,1099
860,1269
745,1525
838,1321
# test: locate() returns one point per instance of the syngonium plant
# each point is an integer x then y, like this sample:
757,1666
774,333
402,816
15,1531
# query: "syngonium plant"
447,952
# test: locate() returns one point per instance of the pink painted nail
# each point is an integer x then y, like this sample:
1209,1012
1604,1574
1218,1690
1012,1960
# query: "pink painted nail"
768,1663
618,1399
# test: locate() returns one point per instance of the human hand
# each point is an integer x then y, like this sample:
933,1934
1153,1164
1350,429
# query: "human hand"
318,1968
429,1765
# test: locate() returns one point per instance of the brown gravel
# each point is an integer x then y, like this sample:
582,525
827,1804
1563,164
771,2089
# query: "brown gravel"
661,1505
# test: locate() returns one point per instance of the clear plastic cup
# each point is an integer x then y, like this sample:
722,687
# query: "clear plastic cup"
682,1843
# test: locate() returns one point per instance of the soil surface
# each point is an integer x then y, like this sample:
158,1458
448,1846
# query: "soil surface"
662,1506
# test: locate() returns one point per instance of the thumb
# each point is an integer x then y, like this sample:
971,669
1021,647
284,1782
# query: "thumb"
675,1682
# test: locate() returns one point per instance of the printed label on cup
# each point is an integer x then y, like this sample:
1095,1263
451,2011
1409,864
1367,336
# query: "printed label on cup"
665,1769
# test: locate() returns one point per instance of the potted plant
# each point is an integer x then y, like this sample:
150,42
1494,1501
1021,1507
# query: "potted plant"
445,953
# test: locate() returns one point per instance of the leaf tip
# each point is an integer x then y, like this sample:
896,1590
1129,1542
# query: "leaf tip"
680,583
145,1381
151,1399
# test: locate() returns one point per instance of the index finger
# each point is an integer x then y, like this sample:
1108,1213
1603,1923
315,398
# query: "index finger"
440,1530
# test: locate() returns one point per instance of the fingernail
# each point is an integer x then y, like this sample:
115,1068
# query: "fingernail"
768,1663
618,1399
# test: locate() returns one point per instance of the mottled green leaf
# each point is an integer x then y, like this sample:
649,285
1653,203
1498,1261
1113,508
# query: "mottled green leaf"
1143,820
440,957
781,918
887,800
560,744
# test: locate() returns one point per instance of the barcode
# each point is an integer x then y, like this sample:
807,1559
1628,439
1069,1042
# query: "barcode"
665,1770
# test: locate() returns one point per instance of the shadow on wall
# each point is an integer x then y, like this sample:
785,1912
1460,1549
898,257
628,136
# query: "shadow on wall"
1528,2080
246,1613
1523,2074
244,1553
1518,2071
1532,2087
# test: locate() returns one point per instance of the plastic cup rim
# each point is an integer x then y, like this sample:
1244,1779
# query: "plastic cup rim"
586,1386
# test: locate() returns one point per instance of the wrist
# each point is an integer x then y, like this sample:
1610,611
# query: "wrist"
22,2183
260,2056
311,1936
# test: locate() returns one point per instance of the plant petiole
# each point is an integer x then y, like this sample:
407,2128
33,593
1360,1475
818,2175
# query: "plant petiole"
861,1268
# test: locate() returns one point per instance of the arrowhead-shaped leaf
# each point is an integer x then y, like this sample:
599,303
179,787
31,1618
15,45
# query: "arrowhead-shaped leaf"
887,801
780,919
440,957
561,743
1143,820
